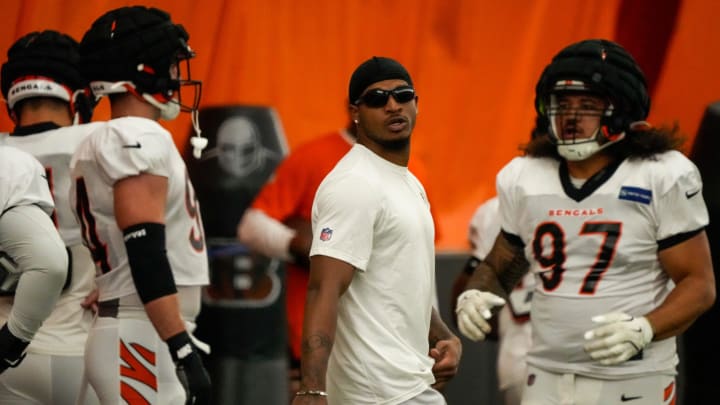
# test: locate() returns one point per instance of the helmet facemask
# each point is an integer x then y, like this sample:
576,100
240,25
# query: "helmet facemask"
174,98
578,118
181,89
602,68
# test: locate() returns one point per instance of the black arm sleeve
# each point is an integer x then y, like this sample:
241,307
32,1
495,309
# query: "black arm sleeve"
149,265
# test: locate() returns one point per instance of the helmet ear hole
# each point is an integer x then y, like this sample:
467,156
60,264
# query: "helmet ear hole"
615,124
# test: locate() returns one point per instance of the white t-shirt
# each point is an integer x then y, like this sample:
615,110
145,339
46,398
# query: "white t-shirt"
54,149
121,148
65,330
375,215
594,250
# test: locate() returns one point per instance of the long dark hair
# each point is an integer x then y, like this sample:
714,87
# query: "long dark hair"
643,144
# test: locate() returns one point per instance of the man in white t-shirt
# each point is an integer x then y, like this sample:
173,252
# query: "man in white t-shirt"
139,214
46,95
610,218
33,260
371,334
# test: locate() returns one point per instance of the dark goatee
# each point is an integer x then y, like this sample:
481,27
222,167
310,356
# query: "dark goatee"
394,144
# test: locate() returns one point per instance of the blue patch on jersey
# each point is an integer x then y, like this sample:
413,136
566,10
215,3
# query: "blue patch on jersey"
636,194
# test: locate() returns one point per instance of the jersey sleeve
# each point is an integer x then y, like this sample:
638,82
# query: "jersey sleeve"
126,151
343,217
680,205
23,181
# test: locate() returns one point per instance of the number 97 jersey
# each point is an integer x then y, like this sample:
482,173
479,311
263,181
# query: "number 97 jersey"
126,147
594,249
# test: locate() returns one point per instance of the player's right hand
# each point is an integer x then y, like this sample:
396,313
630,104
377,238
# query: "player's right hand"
190,370
473,311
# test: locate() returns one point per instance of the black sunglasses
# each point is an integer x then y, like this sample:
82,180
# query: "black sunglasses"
378,97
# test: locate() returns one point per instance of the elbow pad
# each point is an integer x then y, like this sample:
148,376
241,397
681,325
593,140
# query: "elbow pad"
149,265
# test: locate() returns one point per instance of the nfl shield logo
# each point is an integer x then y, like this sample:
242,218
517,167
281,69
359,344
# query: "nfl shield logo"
326,234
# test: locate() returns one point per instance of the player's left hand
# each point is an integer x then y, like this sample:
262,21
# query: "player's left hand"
447,355
619,338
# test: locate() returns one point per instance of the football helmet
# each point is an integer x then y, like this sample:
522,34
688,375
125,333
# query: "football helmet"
141,51
598,67
46,64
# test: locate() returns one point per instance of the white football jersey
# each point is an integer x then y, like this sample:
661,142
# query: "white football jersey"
484,228
594,250
54,149
65,331
121,148
22,181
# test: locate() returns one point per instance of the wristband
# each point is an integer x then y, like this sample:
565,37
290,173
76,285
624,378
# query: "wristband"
472,264
311,392
180,346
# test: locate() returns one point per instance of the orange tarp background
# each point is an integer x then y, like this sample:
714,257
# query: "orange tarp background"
474,63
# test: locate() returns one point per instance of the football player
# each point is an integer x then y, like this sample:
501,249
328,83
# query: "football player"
139,213
610,218
46,94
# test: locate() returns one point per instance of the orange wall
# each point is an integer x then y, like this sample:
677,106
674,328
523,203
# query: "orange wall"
474,62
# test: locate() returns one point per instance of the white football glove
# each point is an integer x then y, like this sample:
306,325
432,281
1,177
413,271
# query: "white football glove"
473,311
620,337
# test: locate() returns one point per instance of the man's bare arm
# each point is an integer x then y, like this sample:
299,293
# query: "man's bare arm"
489,286
502,269
445,349
329,279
